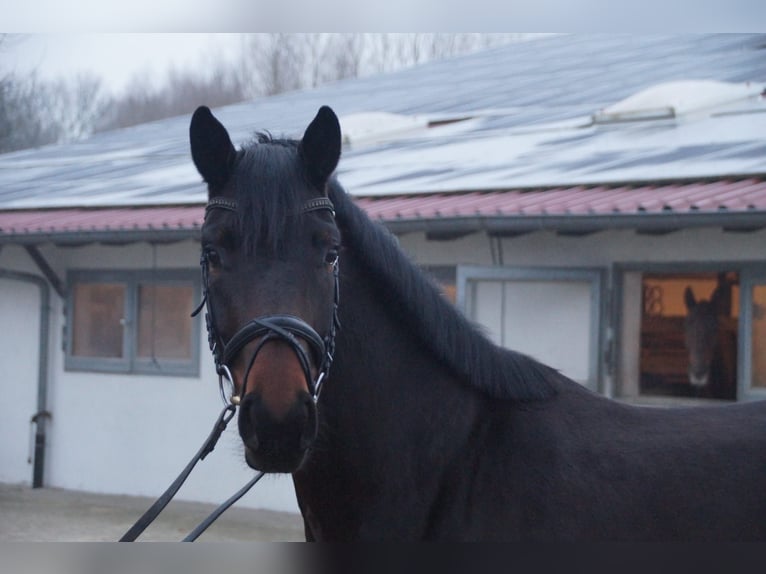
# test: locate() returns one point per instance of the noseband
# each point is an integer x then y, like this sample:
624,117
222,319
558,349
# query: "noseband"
280,327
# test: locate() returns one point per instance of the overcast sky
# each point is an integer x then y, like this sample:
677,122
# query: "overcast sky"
375,16
116,58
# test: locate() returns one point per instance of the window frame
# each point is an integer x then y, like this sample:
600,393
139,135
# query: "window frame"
749,278
130,363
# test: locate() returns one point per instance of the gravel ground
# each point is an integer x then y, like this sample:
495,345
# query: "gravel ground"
55,515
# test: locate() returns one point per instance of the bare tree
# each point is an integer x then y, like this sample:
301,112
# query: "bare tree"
345,56
281,62
75,106
275,63
23,120
34,113
181,92
20,125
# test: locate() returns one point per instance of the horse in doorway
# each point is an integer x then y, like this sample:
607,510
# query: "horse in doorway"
712,356
397,418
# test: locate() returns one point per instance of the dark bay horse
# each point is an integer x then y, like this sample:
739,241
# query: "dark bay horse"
424,429
712,355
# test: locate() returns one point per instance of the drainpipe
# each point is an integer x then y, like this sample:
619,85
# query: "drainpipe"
40,418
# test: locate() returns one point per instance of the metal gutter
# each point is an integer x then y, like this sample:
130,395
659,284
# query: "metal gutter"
579,224
116,237
46,270
42,414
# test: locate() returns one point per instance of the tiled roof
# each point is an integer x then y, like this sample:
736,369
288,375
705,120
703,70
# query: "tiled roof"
722,202
681,198
106,219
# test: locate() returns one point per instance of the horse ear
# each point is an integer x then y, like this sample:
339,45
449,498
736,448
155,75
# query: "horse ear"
689,298
211,148
320,146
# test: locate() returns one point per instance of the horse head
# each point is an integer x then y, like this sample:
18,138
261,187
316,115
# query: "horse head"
269,263
701,326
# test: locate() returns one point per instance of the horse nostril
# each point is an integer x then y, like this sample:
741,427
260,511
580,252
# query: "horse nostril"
247,423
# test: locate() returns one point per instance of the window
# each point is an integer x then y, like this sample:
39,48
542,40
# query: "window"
690,332
133,322
444,276
689,326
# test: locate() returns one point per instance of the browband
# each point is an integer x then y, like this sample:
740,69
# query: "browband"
221,203
316,204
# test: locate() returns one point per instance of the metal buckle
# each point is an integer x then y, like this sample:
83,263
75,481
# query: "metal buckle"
227,389
318,387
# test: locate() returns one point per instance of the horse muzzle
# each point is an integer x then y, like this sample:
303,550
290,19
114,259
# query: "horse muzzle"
697,379
277,444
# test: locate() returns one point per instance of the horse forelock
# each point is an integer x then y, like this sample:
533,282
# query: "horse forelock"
454,341
268,182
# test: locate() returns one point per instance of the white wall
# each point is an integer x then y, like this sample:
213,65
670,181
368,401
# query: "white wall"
546,249
19,348
133,434
112,433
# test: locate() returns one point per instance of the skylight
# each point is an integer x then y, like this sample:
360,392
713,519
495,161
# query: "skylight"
673,99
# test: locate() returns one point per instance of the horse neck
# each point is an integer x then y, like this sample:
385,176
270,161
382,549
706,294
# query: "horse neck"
378,354
389,416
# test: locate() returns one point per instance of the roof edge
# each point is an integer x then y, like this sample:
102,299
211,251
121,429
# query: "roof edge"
580,224
107,237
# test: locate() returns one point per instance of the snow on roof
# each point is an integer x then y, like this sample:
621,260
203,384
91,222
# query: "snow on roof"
373,127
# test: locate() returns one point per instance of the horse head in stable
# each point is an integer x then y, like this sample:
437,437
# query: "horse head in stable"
270,270
702,325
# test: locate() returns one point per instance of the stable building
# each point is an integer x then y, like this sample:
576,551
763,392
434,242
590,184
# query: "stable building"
566,192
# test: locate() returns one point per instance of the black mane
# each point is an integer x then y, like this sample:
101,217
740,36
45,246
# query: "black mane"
455,341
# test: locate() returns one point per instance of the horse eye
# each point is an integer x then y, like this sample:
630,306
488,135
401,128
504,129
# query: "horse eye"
331,258
212,258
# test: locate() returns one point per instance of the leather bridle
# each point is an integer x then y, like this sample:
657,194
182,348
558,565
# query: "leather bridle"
287,328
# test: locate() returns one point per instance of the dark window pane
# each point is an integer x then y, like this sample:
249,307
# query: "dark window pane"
164,323
97,325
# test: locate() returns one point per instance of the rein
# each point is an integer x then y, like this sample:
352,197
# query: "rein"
207,447
270,327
